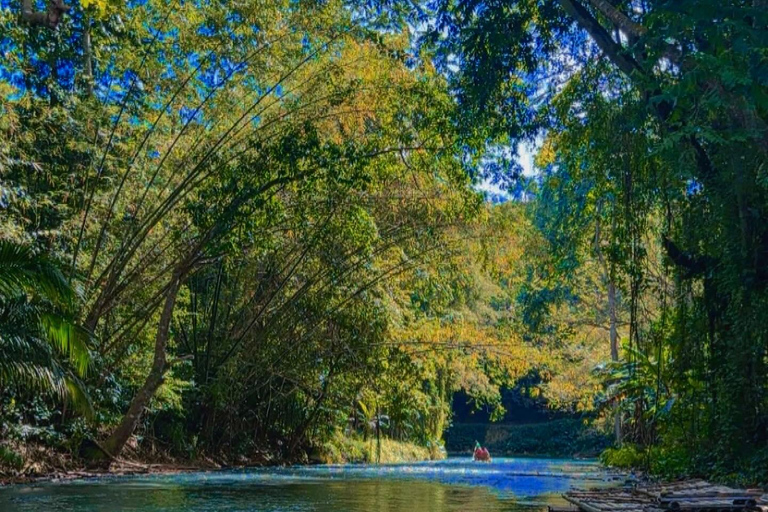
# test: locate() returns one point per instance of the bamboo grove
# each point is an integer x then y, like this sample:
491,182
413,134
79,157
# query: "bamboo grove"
255,228
223,231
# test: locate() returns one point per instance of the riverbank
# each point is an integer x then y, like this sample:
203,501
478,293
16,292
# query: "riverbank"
33,462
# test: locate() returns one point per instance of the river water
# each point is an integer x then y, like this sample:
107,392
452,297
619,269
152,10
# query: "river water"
456,484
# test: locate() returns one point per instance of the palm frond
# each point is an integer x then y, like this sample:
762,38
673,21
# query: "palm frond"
38,378
69,339
78,396
26,375
22,272
39,341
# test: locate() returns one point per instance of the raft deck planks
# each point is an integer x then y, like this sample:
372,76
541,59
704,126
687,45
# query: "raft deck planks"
693,495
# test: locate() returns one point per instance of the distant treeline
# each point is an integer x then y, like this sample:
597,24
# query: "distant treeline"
563,438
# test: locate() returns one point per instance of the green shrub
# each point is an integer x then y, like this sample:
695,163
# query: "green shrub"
352,449
9,459
666,461
672,462
625,457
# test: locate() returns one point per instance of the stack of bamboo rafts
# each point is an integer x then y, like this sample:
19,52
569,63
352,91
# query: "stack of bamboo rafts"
692,495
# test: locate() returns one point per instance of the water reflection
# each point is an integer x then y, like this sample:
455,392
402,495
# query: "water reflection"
453,485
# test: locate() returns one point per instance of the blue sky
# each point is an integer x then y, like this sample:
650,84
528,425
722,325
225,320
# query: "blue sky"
526,152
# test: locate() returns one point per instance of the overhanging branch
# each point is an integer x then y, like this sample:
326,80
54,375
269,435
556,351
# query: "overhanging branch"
601,37
618,18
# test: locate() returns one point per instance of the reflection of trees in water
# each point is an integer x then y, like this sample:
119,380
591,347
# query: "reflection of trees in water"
402,496
385,495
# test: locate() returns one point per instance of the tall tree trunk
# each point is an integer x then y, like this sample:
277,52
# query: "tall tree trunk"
613,324
608,272
87,55
116,442
614,337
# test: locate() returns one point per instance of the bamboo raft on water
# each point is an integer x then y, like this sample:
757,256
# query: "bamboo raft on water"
691,495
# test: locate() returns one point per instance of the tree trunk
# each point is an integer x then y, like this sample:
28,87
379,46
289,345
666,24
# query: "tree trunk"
601,37
614,337
114,445
87,55
613,324
608,270
299,432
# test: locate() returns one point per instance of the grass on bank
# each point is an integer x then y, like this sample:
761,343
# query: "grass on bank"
342,449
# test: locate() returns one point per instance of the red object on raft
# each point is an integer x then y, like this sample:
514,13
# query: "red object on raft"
482,455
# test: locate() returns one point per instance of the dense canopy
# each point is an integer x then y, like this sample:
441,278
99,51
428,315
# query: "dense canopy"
257,230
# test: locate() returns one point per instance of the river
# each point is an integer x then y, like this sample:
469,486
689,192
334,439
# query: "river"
456,484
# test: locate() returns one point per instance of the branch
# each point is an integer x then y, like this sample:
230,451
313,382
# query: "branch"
601,37
50,18
618,18
693,265
181,359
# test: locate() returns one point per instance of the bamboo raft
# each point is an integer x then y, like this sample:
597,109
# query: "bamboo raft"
692,495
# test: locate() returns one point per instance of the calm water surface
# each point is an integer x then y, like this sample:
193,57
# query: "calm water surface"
456,484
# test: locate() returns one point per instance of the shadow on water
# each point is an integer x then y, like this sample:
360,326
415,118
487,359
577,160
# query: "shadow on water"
453,485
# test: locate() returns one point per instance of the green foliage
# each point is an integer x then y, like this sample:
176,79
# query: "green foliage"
305,178
39,340
669,462
625,457
291,167
651,161
24,272
341,449
9,459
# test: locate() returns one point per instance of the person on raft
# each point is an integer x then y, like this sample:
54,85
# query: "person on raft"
481,454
